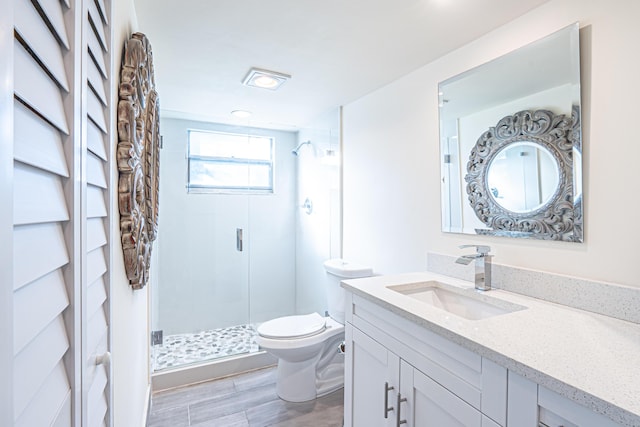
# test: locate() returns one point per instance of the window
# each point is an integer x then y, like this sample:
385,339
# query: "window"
224,162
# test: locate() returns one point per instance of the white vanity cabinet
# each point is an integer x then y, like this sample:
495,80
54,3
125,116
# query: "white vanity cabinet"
400,374
531,404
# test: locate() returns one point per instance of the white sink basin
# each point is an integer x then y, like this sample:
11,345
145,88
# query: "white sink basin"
461,302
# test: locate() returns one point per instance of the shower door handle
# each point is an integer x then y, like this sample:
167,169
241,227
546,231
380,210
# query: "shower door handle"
239,239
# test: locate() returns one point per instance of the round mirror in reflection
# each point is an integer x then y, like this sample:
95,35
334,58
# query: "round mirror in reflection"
523,177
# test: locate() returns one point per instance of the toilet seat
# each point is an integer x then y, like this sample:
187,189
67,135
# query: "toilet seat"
293,327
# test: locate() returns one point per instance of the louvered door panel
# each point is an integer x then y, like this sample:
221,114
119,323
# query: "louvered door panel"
96,389
60,215
42,209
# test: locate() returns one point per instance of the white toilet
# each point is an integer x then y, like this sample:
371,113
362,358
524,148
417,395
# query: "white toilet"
310,363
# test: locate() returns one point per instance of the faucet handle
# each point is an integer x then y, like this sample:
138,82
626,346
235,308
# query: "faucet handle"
480,249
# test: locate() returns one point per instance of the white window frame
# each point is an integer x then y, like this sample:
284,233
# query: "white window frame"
197,188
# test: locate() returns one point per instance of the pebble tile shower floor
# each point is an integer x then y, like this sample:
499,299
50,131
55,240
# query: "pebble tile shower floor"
185,349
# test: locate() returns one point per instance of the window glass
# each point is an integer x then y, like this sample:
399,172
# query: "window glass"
231,162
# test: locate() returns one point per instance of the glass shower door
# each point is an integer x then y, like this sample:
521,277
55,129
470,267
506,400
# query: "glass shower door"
200,283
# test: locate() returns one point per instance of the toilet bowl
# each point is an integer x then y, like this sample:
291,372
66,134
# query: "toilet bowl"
308,347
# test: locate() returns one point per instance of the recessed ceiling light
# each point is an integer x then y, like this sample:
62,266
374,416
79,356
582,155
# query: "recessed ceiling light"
241,114
265,79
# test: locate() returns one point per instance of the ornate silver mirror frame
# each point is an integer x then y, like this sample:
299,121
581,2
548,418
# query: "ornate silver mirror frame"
555,219
138,159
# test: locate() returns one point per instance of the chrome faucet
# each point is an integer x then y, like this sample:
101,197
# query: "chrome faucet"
483,265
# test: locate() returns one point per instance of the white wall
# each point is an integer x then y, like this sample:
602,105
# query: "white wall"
391,154
129,309
203,282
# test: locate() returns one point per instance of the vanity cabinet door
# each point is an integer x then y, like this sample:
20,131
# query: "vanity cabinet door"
555,410
425,403
371,382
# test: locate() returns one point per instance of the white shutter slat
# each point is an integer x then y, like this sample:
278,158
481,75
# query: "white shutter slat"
96,111
96,81
37,250
36,142
40,41
97,399
37,305
96,206
96,265
96,52
96,332
34,87
95,171
36,362
52,403
63,418
53,13
103,11
96,235
38,196
97,295
97,24
95,141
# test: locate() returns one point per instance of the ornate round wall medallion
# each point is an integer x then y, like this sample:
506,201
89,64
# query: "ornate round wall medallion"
138,159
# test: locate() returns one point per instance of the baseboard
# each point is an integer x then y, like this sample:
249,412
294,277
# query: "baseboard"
147,406
194,374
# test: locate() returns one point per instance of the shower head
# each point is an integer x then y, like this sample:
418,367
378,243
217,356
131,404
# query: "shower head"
295,151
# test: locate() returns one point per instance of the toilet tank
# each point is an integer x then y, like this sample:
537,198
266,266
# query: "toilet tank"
338,270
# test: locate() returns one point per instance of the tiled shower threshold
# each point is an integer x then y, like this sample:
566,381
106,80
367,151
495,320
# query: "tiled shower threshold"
214,369
185,359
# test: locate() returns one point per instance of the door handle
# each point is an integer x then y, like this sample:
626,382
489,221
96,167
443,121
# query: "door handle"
387,408
398,420
104,359
239,239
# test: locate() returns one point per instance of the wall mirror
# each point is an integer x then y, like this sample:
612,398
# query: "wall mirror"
510,143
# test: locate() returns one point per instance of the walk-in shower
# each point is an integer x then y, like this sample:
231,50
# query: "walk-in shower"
230,259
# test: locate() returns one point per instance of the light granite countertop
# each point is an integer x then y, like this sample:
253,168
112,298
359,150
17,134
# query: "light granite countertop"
589,358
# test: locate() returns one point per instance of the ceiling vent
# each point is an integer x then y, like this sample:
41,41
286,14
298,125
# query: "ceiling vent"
265,79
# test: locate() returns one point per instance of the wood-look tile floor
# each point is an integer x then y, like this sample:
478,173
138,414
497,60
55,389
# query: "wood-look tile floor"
245,400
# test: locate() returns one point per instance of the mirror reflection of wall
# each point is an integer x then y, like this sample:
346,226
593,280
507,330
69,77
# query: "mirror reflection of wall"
542,75
523,177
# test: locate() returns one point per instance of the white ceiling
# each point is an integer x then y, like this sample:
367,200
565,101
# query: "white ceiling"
336,50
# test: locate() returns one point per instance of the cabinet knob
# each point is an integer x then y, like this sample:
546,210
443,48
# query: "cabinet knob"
399,422
387,408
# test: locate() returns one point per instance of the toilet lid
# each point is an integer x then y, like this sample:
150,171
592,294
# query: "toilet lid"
293,326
